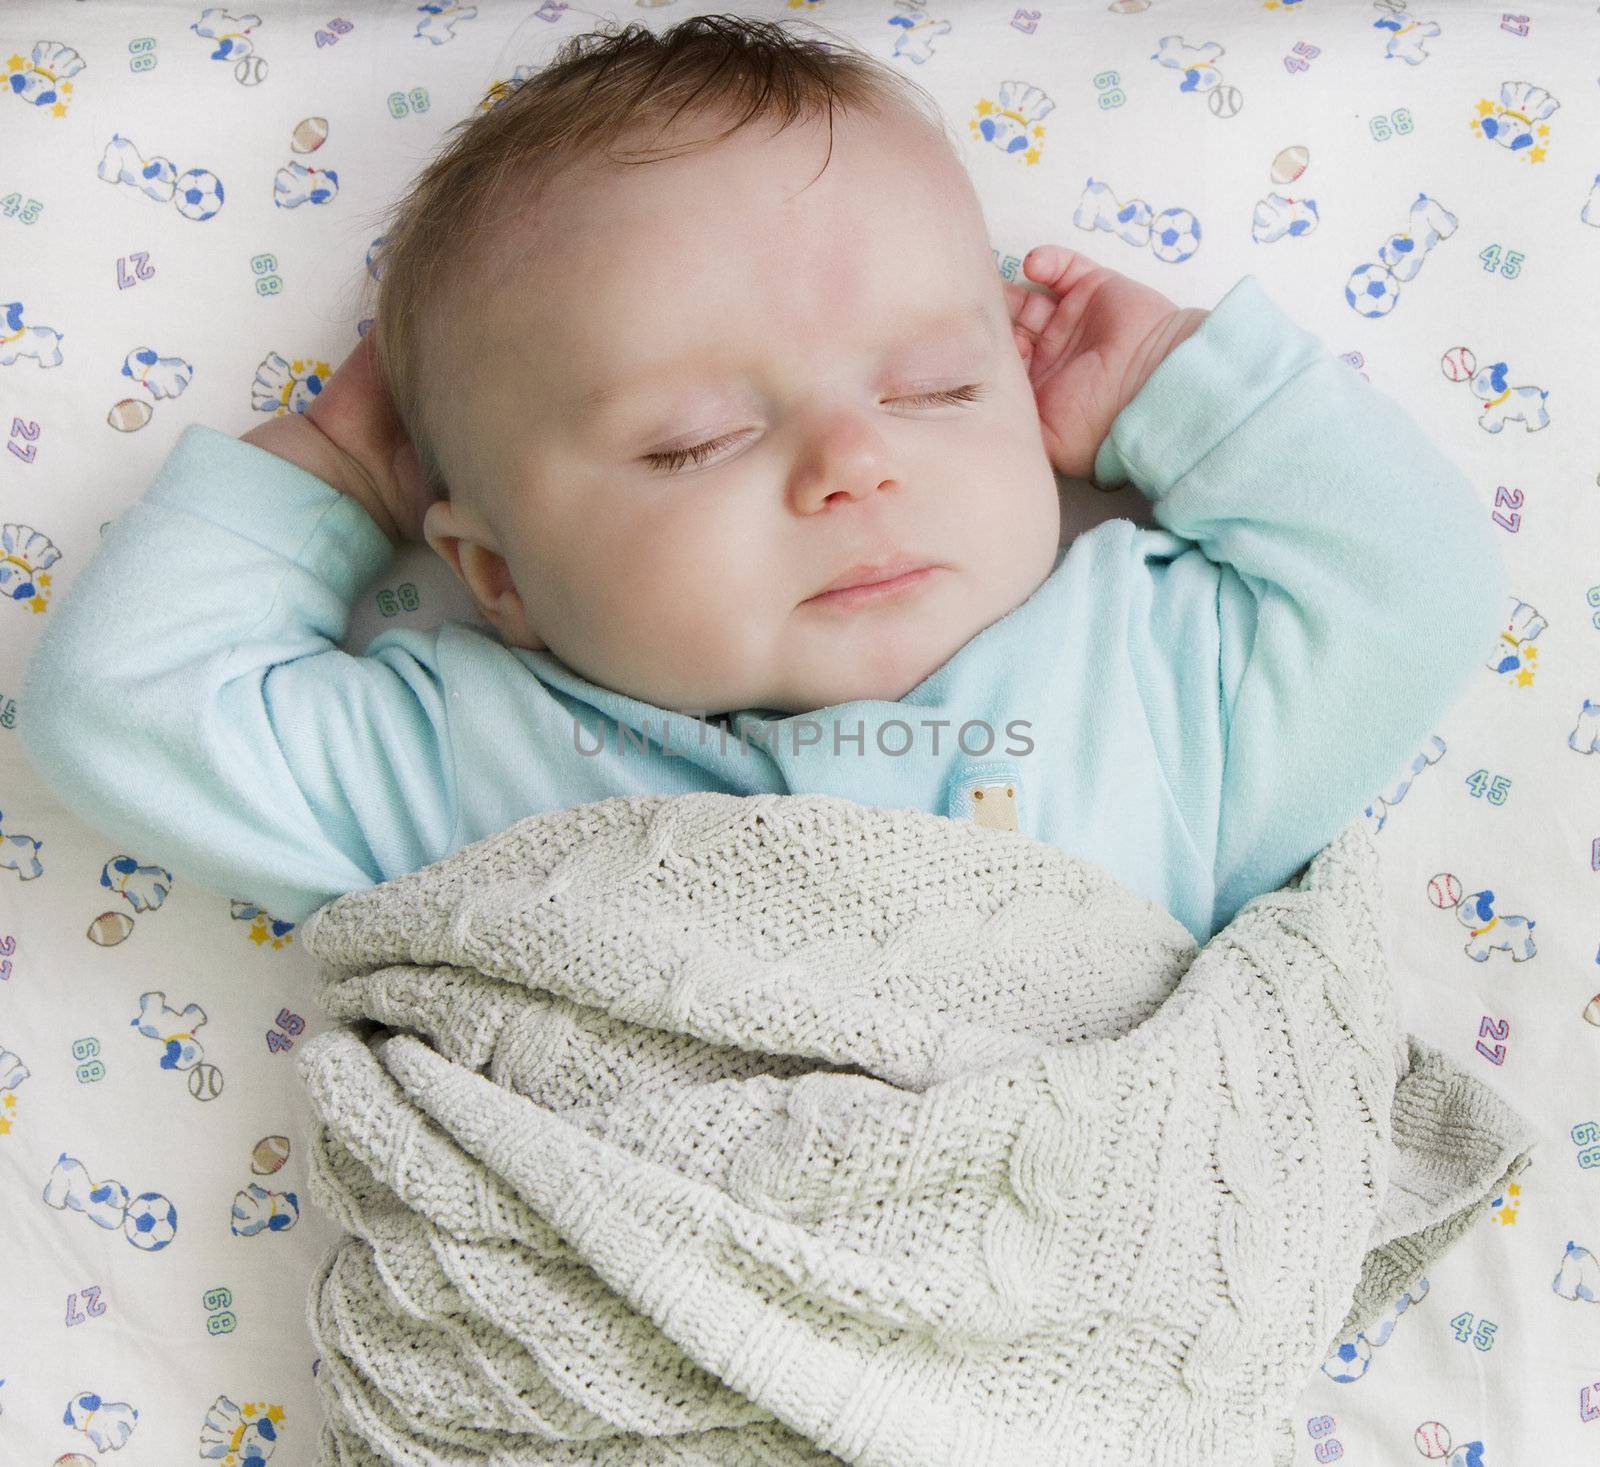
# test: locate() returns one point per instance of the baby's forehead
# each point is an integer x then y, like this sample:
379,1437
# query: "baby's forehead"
557,292
643,226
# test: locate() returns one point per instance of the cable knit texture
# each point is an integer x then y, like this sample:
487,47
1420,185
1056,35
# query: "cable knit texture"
783,1130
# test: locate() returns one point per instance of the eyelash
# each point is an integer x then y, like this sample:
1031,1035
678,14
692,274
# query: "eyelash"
700,452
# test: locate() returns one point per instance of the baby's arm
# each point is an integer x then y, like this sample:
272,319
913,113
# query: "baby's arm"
293,437
188,697
1341,585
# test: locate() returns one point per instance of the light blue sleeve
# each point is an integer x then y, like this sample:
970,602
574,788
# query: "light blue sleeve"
188,697
1341,584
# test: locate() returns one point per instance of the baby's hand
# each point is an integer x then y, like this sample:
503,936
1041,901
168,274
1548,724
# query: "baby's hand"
1088,347
355,414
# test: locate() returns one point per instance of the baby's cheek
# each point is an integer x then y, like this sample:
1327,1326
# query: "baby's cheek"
681,570
646,608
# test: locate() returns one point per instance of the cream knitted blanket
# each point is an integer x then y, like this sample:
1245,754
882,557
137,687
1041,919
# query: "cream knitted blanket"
782,1130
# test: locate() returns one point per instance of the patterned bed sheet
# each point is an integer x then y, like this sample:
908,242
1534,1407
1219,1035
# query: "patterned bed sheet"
186,214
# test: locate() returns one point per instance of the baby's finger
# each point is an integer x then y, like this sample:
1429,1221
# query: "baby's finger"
414,498
1057,267
1027,344
1029,310
1016,297
1032,310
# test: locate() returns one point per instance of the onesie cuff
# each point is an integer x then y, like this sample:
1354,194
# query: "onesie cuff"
1210,383
274,504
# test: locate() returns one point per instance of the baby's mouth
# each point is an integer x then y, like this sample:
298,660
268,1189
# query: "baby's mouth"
850,598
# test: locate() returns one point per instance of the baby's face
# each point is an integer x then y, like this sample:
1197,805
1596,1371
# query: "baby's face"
804,335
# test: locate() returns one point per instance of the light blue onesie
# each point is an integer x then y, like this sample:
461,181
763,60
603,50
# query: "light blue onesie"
1198,708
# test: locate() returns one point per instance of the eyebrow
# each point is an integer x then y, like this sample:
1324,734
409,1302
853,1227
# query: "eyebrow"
975,314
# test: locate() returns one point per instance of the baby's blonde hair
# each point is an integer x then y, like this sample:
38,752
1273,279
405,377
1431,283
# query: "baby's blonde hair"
598,87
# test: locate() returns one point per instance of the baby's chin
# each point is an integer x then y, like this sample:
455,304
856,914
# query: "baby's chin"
813,695
893,670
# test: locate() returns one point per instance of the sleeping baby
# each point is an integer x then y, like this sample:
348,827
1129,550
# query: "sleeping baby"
715,403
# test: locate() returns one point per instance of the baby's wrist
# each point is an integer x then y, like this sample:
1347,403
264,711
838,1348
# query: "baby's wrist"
293,437
1158,346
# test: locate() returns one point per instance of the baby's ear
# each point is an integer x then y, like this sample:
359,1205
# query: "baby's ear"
452,537
460,543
